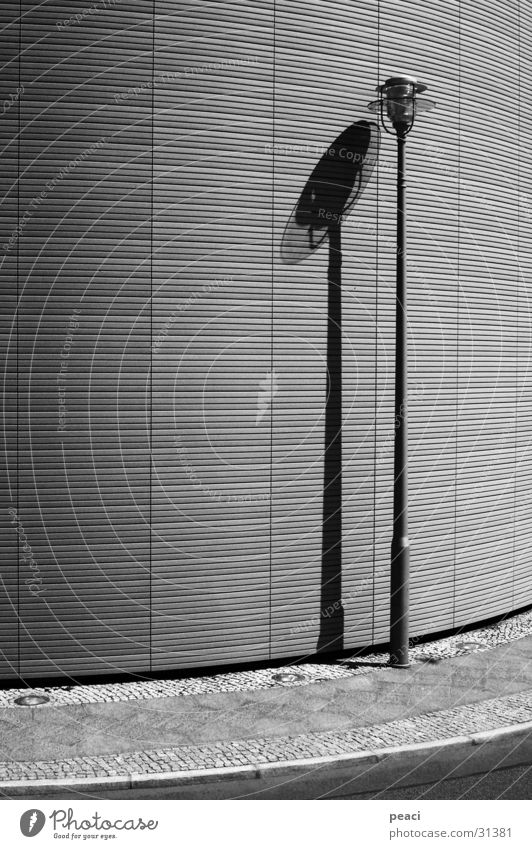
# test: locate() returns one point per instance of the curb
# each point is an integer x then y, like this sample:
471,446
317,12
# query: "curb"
260,771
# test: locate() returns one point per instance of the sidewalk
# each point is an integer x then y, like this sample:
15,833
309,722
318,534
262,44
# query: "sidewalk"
252,726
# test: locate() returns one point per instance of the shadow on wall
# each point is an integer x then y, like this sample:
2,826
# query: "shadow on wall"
329,195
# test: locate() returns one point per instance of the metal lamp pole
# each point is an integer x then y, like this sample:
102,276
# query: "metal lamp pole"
400,562
398,96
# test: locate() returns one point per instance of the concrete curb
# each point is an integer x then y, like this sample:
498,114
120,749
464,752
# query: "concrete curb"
284,770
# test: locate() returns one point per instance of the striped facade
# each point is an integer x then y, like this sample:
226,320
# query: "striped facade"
165,372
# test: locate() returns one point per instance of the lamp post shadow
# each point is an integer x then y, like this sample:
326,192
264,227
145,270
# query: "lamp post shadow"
331,191
331,635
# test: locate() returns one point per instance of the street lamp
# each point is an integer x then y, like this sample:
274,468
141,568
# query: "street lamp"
398,99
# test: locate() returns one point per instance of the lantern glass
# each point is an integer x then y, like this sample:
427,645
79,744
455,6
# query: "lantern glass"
399,101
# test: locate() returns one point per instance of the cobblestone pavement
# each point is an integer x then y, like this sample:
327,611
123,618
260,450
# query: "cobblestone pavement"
292,675
463,721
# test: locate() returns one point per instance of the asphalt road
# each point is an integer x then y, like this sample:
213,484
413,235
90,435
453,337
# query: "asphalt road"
510,783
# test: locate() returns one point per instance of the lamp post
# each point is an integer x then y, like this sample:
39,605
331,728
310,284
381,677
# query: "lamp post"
398,99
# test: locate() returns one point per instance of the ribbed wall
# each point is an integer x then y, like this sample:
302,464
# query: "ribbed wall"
212,332
81,337
152,155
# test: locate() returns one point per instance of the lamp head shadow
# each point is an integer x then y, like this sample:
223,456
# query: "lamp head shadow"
331,191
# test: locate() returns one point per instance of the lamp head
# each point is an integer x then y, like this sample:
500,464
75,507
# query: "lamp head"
399,98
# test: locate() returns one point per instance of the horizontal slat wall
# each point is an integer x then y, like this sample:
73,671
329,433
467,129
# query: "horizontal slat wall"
522,588
212,333
434,187
84,338
9,107
431,54
149,254
317,601
488,316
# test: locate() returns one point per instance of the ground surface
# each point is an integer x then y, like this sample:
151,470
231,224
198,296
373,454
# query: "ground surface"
308,717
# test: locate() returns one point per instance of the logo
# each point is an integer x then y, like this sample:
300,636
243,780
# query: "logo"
268,389
32,822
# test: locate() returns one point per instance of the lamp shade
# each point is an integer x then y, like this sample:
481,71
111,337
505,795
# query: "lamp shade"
398,96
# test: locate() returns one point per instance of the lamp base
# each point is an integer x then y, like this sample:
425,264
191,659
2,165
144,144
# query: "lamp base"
396,665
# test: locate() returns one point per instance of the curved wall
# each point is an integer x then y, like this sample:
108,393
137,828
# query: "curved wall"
165,374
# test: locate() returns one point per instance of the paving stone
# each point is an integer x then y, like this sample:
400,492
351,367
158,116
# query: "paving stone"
461,720
464,720
487,637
